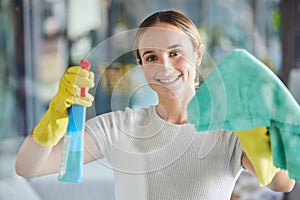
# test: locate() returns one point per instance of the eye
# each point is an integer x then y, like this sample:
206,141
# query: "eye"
175,53
151,58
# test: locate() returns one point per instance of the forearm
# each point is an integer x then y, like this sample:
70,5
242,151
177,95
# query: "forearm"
282,182
35,160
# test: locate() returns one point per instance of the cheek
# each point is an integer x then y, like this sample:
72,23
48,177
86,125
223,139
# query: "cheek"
149,73
189,70
191,75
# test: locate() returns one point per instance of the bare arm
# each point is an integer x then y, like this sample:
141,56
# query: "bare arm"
281,181
35,160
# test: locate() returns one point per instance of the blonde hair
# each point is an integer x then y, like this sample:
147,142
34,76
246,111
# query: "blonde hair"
172,17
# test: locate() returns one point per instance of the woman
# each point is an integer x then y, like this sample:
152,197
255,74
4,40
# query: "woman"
155,152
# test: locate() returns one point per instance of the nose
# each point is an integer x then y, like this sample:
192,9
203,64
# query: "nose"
166,62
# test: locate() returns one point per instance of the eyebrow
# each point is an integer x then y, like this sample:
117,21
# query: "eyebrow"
170,47
147,52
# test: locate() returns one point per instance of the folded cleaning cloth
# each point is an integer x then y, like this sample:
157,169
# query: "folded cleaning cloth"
241,94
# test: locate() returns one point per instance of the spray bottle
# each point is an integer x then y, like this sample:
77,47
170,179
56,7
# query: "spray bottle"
71,169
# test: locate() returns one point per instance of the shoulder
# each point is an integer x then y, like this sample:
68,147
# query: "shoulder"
222,141
222,136
120,117
230,141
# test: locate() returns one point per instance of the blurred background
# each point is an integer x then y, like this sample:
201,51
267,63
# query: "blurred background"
39,39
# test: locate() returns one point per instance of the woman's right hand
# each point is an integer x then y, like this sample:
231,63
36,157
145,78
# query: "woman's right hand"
53,124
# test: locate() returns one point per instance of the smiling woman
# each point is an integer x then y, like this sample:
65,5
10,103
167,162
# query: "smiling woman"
154,152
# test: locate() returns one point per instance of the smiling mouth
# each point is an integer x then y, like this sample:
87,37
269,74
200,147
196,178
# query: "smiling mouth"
169,81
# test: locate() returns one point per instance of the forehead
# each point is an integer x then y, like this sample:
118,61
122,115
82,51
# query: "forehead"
163,36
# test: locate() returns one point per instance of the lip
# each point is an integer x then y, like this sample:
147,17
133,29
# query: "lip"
169,81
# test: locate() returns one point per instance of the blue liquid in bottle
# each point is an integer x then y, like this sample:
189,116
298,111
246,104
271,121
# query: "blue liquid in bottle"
72,159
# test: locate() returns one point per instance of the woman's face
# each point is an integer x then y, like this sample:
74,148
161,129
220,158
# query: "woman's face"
169,60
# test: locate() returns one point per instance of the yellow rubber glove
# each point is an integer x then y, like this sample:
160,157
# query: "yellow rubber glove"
257,147
53,124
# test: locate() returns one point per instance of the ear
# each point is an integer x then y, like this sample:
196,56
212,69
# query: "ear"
139,62
200,51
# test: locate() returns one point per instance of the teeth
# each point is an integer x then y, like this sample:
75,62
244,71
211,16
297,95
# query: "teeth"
168,80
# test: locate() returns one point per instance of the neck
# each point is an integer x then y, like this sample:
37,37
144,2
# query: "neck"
172,110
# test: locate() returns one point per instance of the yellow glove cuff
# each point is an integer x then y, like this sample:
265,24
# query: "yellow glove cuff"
256,144
51,128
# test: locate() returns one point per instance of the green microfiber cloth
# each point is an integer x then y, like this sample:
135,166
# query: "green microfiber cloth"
241,94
